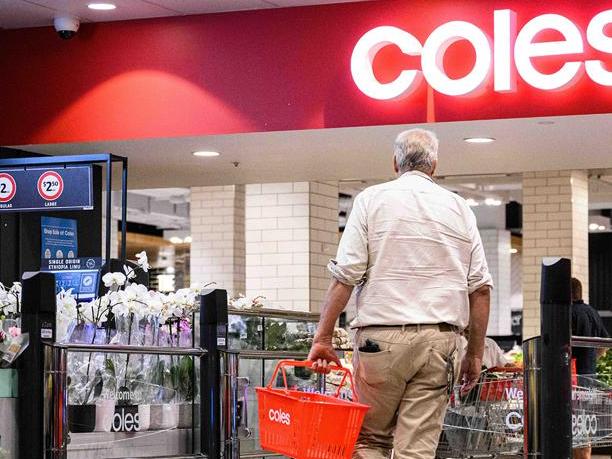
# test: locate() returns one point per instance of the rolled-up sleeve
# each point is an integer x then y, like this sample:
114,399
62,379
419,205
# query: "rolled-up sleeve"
351,262
478,273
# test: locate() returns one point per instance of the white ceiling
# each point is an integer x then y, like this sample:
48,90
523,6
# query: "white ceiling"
581,142
15,14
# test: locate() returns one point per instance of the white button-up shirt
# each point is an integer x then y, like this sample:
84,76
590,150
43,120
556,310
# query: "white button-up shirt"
413,250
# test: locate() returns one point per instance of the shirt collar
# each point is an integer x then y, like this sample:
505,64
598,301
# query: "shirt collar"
418,174
578,302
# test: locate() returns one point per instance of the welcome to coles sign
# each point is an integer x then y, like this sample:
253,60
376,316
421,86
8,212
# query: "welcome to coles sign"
352,64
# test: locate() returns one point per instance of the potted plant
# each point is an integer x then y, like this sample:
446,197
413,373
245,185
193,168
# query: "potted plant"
86,371
10,306
164,381
186,392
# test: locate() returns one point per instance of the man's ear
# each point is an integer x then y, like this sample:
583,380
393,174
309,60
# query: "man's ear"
433,169
395,168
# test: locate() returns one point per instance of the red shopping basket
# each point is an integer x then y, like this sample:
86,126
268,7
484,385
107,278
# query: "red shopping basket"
304,425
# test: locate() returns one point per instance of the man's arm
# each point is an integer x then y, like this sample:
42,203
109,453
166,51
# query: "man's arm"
479,319
348,269
322,352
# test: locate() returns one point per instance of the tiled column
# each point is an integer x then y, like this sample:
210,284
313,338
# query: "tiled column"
217,231
497,246
115,217
291,233
555,224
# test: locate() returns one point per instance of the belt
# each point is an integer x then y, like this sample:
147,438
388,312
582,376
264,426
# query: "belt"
443,327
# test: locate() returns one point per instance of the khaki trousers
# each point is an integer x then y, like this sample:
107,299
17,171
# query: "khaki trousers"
406,386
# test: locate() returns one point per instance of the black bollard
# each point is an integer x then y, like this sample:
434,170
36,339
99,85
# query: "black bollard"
213,338
556,354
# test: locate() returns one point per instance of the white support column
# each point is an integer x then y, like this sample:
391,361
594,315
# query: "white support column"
217,231
115,217
555,224
291,233
497,245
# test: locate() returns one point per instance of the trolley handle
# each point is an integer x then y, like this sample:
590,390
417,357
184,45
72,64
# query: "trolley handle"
307,364
505,370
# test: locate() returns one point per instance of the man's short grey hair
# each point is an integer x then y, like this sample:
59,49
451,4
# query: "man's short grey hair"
416,150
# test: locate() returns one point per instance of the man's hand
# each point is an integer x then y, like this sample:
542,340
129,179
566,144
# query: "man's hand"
471,367
321,355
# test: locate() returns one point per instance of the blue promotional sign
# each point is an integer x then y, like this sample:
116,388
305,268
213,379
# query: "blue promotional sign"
59,238
36,189
71,264
84,283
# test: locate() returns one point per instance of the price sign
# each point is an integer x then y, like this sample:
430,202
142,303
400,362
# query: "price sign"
8,187
50,185
67,188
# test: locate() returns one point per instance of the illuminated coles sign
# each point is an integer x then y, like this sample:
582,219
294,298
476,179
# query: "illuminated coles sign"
510,50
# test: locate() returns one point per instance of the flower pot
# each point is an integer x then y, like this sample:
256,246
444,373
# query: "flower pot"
144,417
105,410
164,416
186,415
81,418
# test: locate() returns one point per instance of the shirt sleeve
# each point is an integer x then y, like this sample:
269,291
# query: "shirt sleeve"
602,332
478,273
351,262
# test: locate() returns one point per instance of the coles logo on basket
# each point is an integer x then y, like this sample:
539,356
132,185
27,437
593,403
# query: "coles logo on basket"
279,416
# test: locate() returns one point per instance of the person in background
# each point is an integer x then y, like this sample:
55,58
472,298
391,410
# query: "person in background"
585,322
493,356
414,253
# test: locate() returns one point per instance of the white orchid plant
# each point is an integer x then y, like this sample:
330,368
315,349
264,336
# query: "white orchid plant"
240,301
10,300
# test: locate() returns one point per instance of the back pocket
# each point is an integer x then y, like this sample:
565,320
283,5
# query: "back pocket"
373,367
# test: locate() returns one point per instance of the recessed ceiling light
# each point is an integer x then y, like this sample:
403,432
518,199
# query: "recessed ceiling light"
593,226
471,202
601,228
206,154
479,139
513,250
493,202
101,6
176,240
187,240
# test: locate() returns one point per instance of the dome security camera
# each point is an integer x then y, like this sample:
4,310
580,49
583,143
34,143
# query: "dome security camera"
66,26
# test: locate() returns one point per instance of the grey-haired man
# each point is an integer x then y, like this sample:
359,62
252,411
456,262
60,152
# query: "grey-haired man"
413,251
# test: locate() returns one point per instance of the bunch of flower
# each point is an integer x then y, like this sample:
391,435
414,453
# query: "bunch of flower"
10,300
242,302
341,339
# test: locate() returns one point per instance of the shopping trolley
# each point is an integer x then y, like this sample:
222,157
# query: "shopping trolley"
488,421
591,412
305,425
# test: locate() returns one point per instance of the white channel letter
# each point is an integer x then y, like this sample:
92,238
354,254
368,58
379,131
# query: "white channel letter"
433,55
525,49
601,42
504,22
363,55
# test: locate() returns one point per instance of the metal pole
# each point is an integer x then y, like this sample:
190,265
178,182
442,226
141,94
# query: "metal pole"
555,387
55,403
109,208
124,209
531,399
230,406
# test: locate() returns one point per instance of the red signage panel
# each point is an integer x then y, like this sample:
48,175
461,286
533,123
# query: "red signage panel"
354,64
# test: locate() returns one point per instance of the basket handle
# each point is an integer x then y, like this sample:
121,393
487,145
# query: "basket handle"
280,366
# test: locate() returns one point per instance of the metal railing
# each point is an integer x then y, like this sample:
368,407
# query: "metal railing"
56,387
